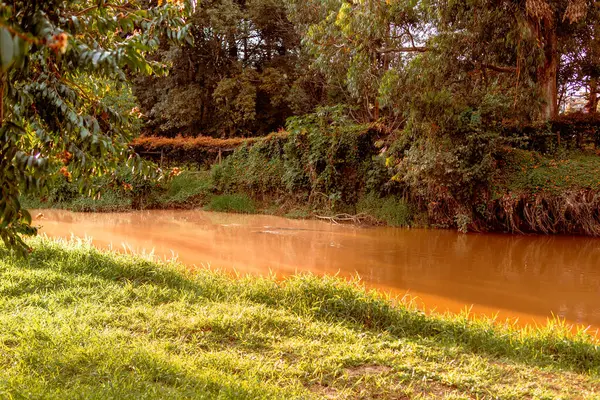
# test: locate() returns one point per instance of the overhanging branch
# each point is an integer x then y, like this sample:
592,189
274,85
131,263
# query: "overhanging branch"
418,49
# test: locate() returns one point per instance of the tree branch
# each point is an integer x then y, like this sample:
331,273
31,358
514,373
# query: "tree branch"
499,68
418,49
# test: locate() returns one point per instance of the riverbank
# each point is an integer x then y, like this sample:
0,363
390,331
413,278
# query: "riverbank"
193,189
78,322
529,192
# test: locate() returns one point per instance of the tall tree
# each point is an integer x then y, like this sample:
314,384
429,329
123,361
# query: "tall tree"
234,79
363,46
552,23
360,47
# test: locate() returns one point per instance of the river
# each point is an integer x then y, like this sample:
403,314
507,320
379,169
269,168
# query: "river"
524,278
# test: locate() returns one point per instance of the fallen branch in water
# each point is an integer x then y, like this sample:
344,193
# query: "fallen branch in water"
361,218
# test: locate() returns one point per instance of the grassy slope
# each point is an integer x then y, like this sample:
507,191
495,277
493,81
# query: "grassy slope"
530,172
78,323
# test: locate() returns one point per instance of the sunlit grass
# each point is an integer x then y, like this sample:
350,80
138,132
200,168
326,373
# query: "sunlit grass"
79,323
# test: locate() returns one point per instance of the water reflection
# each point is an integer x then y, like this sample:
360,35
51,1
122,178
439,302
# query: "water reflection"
520,276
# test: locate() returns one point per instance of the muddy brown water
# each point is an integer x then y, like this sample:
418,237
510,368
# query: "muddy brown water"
524,278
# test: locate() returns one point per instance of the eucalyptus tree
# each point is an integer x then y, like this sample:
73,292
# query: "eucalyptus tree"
362,48
579,71
51,118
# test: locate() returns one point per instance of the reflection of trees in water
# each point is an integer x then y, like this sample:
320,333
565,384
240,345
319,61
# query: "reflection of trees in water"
525,273
564,260
565,268
568,261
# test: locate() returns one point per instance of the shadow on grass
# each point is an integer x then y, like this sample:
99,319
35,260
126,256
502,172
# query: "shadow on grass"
330,300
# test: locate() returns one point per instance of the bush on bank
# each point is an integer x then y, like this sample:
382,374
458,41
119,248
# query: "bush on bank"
325,160
331,164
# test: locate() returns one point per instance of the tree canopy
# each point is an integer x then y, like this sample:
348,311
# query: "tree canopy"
255,63
238,77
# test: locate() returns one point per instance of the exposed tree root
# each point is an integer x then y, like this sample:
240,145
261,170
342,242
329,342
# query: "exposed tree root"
359,219
574,212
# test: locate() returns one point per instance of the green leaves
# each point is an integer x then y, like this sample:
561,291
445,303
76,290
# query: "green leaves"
13,50
6,49
63,65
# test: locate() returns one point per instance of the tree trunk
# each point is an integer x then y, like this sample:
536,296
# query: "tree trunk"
592,105
268,47
548,73
232,46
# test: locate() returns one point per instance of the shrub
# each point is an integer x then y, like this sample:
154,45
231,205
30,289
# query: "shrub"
185,187
324,155
329,154
256,168
118,191
62,191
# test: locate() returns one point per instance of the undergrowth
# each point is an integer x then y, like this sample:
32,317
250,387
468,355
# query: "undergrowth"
324,156
186,188
239,203
391,210
524,171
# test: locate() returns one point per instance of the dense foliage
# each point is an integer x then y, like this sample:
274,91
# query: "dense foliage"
240,75
325,159
59,59
253,63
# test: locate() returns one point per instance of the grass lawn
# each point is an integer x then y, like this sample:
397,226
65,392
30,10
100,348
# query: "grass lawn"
79,323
